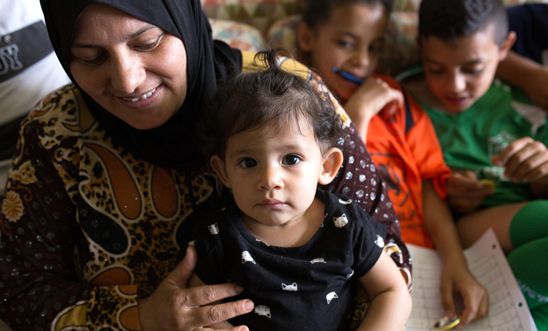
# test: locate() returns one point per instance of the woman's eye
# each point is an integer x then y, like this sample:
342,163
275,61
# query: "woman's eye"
247,162
91,60
291,159
148,46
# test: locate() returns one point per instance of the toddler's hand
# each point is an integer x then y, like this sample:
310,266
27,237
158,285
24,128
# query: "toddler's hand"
465,192
525,160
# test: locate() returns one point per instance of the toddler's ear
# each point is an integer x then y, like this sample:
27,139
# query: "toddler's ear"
332,162
305,37
219,168
507,45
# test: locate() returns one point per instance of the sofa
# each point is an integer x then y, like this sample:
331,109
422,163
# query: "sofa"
259,24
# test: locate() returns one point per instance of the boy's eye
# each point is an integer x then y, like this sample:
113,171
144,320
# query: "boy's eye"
472,70
434,70
247,162
291,159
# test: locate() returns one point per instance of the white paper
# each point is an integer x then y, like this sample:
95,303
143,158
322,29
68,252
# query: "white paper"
508,310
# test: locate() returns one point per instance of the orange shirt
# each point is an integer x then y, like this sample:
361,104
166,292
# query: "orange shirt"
406,151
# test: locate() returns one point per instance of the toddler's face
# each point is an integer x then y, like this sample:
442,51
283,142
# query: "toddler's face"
459,73
352,40
273,172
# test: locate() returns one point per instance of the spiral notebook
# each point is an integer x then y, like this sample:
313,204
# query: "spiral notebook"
508,310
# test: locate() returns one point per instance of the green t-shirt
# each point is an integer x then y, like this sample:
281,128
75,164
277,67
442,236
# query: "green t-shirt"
469,139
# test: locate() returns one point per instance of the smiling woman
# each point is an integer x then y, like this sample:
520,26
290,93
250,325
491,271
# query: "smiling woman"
107,183
134,71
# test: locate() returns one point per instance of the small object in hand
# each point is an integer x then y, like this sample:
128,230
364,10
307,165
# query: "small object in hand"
488,182
446,323
348,76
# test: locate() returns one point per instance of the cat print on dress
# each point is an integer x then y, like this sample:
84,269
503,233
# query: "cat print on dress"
262,310
330,296
317,260
340,221
290,287
379,241
246,257
213,228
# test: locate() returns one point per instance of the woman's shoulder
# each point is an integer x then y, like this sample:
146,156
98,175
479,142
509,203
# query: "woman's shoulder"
63,111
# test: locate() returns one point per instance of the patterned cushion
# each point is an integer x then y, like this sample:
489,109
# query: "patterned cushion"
237,35
258,13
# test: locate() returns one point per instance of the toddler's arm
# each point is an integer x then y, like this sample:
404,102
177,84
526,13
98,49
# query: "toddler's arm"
455,277
390,300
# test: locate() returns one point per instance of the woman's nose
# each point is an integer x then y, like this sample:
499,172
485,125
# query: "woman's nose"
127,73
270,178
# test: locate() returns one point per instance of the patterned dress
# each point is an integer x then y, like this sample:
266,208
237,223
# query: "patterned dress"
86,228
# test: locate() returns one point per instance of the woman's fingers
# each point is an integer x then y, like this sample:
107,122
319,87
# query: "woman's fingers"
212,314
207,294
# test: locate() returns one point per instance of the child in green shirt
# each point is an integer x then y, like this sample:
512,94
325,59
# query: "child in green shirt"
492,136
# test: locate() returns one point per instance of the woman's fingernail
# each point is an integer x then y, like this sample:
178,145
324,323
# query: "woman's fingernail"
249,305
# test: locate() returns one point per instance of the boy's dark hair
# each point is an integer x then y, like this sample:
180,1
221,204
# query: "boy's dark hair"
317,12
450,20
271,97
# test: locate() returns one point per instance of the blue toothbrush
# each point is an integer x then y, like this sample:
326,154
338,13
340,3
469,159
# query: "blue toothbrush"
348,76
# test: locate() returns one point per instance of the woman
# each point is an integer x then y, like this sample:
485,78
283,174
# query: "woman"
106,184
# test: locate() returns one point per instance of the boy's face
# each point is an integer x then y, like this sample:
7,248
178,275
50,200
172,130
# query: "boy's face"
273,172
459,73
352,40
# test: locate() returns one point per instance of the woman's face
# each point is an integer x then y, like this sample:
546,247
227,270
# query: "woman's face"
133,69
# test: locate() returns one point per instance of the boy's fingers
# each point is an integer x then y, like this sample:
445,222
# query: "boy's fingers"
447,299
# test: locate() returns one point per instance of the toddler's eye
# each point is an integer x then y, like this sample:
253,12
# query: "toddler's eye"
291,159
247,162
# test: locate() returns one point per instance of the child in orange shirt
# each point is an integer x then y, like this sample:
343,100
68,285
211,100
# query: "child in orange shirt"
342,40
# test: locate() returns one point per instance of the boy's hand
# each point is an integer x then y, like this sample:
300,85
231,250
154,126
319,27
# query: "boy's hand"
525,160
475,300
369,99
465,192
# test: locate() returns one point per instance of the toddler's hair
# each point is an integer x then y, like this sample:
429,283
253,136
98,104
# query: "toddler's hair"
274,98
317,12
450,20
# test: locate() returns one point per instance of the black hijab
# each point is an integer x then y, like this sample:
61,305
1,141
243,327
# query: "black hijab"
208,63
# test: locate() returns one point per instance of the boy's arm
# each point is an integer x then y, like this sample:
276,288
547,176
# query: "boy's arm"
390,299
527,75
456,277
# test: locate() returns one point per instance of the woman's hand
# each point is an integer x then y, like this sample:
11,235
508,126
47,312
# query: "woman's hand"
369,99
465,193
175,307
457,279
